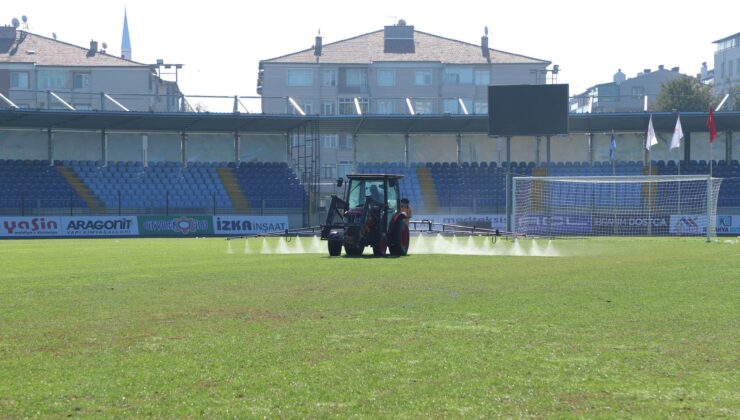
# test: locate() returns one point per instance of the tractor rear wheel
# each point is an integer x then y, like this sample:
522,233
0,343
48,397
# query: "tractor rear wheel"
399,238
380,248
335,248
354,251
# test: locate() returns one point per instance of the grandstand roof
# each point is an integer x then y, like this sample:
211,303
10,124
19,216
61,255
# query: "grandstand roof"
380,124
42,51
369,48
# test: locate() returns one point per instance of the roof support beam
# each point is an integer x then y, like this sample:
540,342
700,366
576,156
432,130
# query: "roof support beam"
295,106
115,102
8,101
62,101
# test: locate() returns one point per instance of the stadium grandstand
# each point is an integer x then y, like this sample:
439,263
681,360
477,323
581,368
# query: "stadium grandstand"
113,163
69,148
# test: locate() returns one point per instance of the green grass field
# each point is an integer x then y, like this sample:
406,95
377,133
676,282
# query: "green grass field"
173,328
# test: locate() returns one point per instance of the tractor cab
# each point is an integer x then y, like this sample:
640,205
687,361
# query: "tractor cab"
369,215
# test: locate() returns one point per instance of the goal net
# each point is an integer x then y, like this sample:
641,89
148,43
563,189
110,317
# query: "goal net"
682,205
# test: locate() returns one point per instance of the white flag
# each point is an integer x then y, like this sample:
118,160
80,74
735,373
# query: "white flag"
651,139
677,135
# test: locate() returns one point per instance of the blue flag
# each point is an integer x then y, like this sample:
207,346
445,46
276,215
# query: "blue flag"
613,148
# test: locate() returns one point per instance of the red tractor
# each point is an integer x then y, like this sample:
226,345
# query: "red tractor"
369,215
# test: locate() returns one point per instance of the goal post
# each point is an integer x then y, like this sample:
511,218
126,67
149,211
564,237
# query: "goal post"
662,205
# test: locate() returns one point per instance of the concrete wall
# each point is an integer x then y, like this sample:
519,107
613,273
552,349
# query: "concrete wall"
210,147
124,147
263,148
86,145
77,145
23,144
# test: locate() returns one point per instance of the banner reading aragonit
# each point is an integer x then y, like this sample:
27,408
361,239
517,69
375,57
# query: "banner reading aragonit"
99,226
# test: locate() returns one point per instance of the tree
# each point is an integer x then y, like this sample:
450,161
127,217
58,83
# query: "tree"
733,102
684,94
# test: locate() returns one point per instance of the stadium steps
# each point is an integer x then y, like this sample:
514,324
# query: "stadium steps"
238,200
82,190
650,170
428,191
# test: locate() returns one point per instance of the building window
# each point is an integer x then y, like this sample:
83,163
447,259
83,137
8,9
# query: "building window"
386,77
347,106
481,107
329,77
458,76
451,106
638,91
423,106
729,68
52,79
329,141
423,78
345,142
81,80
385,106
356,78
300,77
19,80
482,77
343,169
328,108
328,170
722,70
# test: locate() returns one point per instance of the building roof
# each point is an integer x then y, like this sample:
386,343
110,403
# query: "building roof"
368,48
43,51
725,38
632,122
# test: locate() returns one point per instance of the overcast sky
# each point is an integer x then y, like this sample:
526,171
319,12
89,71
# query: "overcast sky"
221,42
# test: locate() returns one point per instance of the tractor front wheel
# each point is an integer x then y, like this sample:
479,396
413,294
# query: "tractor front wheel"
399,238
335,248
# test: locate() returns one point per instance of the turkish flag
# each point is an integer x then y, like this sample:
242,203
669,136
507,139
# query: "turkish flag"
711,126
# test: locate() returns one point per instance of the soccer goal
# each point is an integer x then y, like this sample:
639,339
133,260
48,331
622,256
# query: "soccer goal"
670,205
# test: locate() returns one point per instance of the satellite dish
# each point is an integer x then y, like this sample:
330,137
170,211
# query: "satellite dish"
105,45
16,23
24,18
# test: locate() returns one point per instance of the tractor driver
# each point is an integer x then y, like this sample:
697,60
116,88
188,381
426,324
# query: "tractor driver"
405,208
375,194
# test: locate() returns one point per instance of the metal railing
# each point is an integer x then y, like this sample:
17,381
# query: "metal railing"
81,100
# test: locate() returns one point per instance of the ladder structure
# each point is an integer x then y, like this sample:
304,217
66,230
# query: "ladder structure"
304,153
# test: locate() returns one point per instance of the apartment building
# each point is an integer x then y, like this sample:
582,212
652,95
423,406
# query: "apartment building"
37,72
